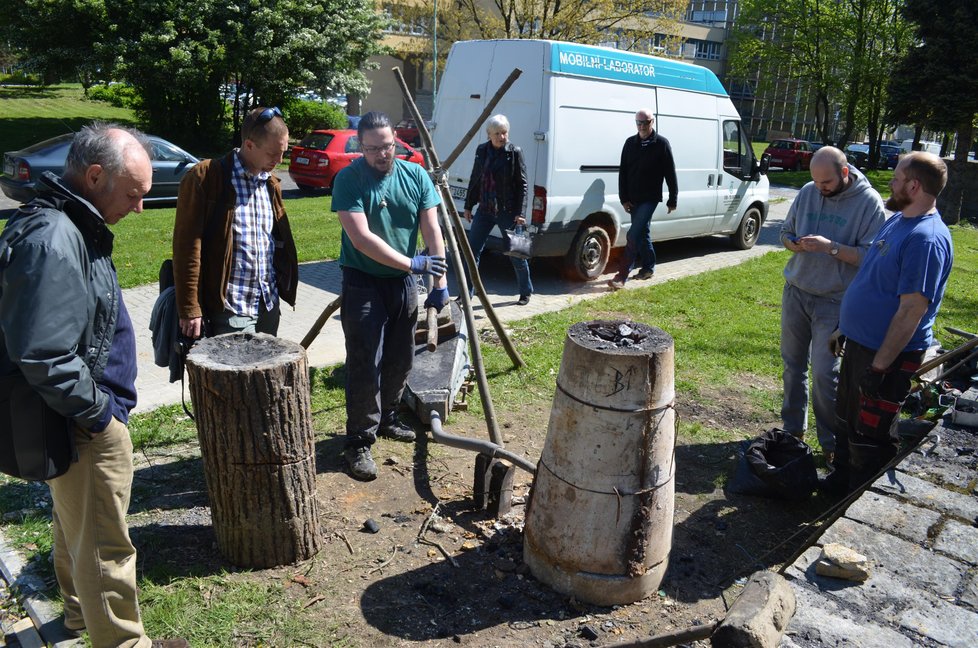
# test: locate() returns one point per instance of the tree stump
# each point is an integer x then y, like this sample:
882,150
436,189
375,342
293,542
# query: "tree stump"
251,398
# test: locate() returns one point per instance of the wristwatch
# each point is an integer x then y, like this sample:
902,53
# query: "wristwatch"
835,249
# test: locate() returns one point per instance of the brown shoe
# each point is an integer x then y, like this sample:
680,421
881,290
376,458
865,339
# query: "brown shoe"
170,643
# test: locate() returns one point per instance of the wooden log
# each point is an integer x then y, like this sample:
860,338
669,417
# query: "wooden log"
254,422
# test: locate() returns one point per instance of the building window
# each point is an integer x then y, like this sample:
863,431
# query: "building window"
398,23
709,50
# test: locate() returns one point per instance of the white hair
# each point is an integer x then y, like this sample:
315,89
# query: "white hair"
497,123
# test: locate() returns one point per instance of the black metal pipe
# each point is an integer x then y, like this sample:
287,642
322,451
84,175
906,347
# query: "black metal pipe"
475,445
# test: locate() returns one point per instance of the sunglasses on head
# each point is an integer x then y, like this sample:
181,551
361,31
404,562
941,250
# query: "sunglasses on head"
268,114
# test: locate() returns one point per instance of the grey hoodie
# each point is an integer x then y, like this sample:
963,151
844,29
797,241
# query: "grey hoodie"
851,218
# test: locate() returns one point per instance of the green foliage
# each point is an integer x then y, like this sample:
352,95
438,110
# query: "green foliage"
118,95
19,77
305,116
838,54
162,427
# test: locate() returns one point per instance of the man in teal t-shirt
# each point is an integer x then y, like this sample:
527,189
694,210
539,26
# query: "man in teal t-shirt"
382,203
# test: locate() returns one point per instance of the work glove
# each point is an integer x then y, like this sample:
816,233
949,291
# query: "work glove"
433,265
837,343
870,382
437,299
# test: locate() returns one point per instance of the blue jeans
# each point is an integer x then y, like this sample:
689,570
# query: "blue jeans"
638,245
807,323
482,224
379,316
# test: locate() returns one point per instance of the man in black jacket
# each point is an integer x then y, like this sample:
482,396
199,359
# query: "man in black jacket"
646,160
65,330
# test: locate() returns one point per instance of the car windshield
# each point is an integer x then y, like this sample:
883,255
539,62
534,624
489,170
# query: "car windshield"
316,141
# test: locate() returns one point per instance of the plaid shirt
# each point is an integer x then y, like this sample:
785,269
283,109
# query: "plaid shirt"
253,246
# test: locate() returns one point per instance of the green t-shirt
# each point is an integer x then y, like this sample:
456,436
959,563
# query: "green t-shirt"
392,204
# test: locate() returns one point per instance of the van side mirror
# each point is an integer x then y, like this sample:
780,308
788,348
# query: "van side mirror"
765,164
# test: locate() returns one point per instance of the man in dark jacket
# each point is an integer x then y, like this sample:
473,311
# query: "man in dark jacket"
65,329
233,253
646,161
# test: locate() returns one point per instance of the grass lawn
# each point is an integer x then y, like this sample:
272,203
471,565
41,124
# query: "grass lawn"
31,114
880,178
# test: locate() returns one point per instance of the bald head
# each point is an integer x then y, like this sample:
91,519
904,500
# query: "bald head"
830,171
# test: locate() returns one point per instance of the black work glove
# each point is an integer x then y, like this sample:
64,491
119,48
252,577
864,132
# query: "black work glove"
869,384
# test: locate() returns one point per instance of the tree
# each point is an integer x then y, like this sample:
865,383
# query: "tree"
937,81
58,40
630,24
838,53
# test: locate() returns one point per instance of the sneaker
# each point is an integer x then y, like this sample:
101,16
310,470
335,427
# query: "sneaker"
361,464
170,643
523,300
616,284
398,431
645,274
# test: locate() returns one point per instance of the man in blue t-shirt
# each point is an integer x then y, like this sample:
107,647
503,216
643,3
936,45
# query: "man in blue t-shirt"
383,203
886,321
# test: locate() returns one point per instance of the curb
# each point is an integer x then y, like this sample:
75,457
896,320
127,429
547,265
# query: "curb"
27,587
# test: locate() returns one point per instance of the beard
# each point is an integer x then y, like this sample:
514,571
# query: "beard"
897,202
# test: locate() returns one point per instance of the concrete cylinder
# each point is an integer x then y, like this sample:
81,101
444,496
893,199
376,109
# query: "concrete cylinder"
599,521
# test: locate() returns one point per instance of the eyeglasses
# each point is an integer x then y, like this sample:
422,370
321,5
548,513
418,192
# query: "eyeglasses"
643,122
268,114
370,150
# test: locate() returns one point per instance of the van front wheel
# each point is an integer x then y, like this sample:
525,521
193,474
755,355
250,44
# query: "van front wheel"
750,229
588,255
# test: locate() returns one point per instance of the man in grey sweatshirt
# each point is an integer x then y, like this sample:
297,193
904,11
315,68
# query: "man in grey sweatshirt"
829,227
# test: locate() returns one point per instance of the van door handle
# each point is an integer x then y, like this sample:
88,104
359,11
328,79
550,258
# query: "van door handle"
709,181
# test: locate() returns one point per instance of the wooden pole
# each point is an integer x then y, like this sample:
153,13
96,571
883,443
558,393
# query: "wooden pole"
452,217
510,80
321,322
454,257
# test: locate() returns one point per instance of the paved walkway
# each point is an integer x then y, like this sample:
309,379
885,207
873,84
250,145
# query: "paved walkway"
319,284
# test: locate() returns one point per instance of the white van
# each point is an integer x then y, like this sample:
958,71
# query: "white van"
571,111
930,147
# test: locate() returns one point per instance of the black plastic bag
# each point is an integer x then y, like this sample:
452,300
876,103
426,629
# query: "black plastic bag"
775,464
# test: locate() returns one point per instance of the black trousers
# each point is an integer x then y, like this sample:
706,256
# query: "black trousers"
866,428
379,316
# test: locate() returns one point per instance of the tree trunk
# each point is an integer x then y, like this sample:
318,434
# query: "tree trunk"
251,397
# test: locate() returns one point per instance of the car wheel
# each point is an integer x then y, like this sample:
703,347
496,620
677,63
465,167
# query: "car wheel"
797,166
589,254
750,229
304,188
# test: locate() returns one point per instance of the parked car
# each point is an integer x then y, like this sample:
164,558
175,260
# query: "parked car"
21,169
814,146
315,161
890,153
858,155
790,154
407,130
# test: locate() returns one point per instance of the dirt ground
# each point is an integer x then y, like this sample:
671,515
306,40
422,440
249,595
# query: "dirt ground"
468,585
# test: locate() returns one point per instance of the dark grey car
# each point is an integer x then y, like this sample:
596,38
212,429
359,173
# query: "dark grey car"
21,169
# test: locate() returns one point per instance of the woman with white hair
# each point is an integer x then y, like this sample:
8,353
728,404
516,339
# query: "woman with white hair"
498,186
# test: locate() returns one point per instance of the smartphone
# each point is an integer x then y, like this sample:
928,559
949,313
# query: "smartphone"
792,237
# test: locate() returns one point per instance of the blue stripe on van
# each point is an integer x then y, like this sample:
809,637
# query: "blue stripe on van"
605,63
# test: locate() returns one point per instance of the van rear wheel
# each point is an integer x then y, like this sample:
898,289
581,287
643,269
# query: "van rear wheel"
749,231
588,255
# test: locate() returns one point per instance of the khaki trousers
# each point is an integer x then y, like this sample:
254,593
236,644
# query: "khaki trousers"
94,559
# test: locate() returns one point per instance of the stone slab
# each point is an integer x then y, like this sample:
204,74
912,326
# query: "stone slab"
958,540
894,516
927,495
822,621
892,601
917,566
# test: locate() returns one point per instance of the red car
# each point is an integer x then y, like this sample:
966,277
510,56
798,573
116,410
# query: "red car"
315,161
408,131
790,154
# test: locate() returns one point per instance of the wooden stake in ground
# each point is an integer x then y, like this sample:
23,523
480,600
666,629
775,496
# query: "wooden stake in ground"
254,421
